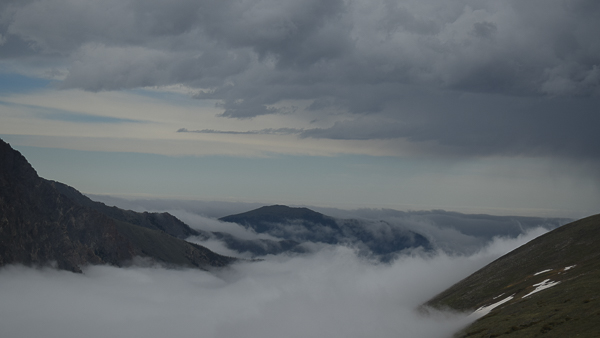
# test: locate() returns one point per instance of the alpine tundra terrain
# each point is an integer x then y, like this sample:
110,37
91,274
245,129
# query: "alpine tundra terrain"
549,287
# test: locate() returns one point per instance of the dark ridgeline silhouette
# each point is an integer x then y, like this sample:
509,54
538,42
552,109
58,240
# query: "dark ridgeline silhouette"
304,225
44,222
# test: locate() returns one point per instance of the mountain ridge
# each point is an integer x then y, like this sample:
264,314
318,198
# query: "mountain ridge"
260,218
548,286
151,220
40,225
372,238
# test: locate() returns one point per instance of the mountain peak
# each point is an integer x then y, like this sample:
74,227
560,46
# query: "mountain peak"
42,225
305,225
264,218
284,211
13,165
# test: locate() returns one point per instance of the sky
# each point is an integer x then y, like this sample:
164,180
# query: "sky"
330,293
472,106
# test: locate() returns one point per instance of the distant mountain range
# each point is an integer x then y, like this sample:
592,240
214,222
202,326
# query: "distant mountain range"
301,225
44,222
549,287
48,222
371,231
171,225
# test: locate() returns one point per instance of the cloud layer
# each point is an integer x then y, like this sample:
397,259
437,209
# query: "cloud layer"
330,293
463,77
538,47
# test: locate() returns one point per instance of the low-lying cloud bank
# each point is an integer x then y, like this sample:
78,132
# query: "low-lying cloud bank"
330,293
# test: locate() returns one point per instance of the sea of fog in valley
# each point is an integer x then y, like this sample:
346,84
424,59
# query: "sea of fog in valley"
329,292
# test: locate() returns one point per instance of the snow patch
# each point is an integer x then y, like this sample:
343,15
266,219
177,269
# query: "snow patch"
541,272
484,310
569,267
542,286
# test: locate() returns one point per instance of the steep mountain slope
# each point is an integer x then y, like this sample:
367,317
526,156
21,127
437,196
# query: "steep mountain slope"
151,220
372,238
40,225
548,287
173,226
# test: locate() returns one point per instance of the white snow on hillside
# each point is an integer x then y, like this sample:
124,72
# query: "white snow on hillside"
484,310
547,283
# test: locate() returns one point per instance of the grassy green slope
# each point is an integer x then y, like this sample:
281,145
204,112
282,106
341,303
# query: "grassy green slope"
569,309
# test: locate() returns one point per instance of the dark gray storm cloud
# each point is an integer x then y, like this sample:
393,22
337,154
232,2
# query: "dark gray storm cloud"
481,124
462,77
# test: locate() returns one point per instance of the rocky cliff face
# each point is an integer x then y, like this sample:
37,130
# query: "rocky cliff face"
40,225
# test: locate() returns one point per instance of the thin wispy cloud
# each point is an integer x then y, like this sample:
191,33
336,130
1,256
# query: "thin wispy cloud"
82,118
269,131
365,129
